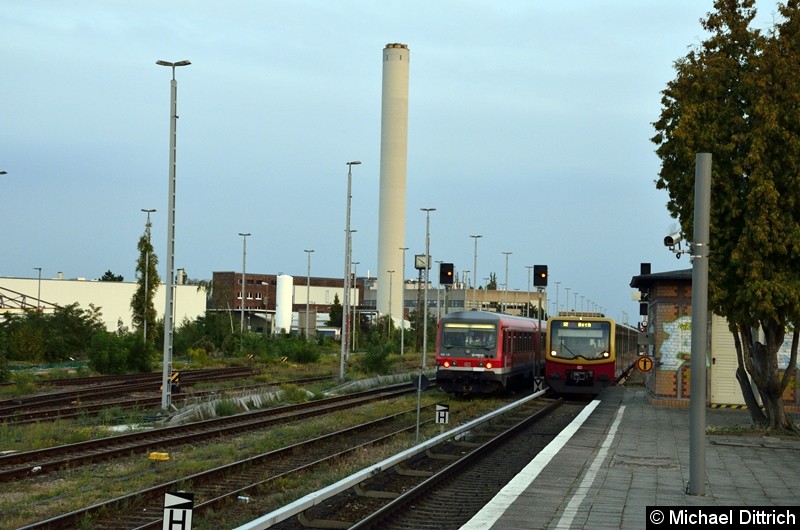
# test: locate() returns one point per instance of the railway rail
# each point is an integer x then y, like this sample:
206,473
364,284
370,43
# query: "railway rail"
91,401
19,465
218,489
442,487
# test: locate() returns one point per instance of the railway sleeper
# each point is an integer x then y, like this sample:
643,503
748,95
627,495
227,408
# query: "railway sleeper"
374,494
441,456
321,523
464,443
405,471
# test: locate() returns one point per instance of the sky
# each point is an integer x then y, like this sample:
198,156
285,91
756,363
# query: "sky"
529,124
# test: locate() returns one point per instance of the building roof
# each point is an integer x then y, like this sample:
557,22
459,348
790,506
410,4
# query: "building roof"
644,281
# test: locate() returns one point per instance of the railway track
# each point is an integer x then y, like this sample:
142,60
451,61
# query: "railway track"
141,396
25,464
219,489
444,487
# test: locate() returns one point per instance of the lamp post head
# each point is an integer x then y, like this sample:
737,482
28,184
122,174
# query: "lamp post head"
244,235
353,163
173,65
148,211
3,172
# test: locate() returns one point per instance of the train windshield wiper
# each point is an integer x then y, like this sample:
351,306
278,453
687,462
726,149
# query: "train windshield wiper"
565,347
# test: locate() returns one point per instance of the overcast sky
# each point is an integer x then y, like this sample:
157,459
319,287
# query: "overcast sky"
529,124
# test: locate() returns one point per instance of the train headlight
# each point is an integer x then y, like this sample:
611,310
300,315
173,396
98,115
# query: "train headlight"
489,365
447,364
606,354
554,353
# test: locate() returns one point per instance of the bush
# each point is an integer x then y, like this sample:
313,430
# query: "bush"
302,351
110,353
5,371
376,359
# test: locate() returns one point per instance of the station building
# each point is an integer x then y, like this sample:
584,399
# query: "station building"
667,311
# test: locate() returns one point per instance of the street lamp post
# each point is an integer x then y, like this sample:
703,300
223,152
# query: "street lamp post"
391,277
566,305
346,283
528,301
427,269
505,288
475,272
146,274
166,396
403,303
466,287
485,289
266,306
39,288
556,311
308,288
244,263
352,345
439,292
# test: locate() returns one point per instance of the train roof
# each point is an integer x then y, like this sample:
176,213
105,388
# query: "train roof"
484,316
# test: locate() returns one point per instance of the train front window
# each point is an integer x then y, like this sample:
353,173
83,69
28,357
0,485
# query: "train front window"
463,336
580,339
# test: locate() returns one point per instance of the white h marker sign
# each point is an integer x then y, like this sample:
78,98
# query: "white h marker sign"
442,414
178,511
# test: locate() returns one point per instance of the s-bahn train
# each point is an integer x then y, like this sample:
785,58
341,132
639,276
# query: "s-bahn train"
587,352
484,353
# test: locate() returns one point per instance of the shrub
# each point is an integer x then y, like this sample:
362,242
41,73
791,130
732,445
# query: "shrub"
376,359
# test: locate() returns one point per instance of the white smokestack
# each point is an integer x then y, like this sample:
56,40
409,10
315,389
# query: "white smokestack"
394,154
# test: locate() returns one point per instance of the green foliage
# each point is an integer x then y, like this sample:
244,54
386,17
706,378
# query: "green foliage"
108,354
5,372
335,312
377,359
109,276
226,407
111,353
737,96
294,394
37,337
142,307
296,348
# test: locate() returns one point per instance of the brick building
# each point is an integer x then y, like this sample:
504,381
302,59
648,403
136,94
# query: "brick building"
667,320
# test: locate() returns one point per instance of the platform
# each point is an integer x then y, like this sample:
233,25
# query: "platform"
626,454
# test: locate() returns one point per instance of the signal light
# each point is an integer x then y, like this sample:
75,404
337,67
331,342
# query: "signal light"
446,273
540,275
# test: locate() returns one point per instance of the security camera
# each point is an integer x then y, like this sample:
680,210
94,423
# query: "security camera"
672,240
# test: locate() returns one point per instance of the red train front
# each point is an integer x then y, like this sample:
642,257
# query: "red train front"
482,352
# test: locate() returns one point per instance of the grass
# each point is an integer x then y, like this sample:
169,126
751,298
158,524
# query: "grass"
63,491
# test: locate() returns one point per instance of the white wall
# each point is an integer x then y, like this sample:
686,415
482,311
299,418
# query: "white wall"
113,298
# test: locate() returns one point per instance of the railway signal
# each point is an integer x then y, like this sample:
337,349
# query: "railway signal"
540,275
446,273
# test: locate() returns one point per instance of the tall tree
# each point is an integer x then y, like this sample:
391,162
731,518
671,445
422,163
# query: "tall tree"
725,100
142,307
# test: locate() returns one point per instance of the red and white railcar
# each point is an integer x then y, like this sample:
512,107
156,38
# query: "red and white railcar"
481,352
